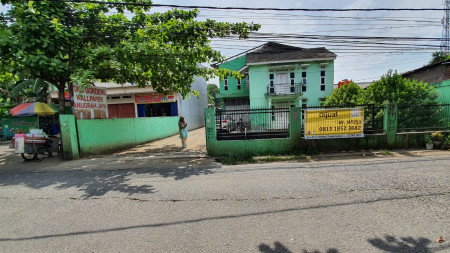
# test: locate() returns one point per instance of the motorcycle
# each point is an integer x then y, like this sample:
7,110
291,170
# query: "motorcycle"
241,126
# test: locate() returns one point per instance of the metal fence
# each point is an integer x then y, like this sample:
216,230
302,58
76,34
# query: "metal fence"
373,116
255,123
430,117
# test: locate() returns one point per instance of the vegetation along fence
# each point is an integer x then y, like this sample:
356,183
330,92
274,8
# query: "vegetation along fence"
255,123
430,117
373,115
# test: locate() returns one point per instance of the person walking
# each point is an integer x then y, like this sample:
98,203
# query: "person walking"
182,126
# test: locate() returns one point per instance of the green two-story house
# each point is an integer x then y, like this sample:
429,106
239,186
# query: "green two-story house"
277,75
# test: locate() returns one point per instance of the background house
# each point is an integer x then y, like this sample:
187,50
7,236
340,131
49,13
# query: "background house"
129,101
437,75
278,76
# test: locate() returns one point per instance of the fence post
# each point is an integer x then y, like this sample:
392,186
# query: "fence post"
390,122
295,125
69,136
210,129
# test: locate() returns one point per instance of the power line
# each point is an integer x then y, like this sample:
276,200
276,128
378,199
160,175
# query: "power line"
253,8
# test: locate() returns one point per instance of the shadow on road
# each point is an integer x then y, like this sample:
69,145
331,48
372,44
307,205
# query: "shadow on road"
280,248
96,176
405,244
99,183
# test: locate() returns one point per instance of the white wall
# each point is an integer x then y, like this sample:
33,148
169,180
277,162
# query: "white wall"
193,108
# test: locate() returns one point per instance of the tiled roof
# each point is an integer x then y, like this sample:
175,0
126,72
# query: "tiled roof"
273,52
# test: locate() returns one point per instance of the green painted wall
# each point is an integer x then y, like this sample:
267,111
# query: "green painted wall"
444,90
105,135
313,92
259,80
235,64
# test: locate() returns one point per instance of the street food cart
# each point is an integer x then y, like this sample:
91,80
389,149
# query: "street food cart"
36,142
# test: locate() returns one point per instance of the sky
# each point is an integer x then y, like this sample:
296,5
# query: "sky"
355,61
360,60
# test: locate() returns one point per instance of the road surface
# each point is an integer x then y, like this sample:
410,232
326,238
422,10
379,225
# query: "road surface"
364,205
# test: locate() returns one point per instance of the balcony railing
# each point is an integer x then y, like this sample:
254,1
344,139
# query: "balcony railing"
284,89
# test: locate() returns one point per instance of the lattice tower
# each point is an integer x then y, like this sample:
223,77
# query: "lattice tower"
445,43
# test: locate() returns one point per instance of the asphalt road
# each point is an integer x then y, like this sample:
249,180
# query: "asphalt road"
374,205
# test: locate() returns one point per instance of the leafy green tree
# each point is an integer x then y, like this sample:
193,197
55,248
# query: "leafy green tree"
393,87
348,94
410,95
65,43
212,91
438,57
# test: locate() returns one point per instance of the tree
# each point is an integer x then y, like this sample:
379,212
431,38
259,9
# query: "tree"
348,94
393,87
212,91
439,56
76,42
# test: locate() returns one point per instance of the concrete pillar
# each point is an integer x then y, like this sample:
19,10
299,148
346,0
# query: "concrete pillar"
210,129
69,137
295,125
390,122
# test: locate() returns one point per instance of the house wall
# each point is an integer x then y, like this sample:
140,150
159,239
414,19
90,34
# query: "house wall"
192,108
313,93
432,74
105,135
259,80
235,64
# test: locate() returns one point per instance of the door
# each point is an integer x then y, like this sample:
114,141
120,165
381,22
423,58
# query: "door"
282,84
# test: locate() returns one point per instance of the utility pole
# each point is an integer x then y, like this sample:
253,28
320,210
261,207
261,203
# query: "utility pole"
445,43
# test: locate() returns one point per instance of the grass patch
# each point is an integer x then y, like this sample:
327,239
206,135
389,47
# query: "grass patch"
284,158
385,152
279,158
236,159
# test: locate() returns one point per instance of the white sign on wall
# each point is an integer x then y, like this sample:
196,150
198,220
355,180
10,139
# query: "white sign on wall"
90,102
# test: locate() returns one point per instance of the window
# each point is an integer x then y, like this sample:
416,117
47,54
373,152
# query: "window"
304,80
238,84
322,78
225,84
292,76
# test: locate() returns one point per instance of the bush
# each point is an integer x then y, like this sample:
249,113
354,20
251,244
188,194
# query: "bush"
437,136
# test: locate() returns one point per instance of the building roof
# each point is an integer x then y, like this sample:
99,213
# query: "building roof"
275,52
425,67
271,51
